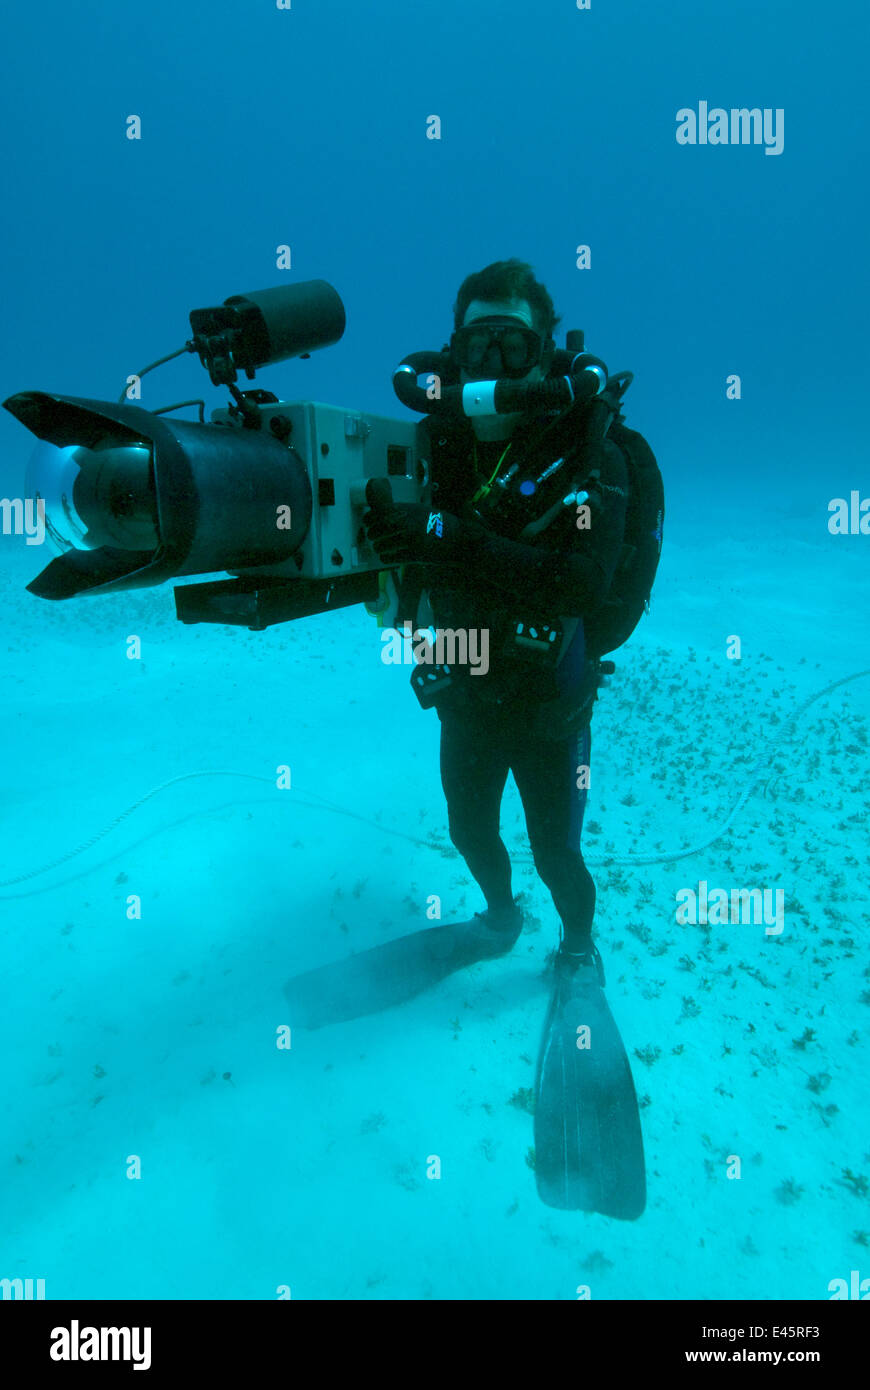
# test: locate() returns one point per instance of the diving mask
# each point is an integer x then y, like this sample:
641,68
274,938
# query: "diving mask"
520,347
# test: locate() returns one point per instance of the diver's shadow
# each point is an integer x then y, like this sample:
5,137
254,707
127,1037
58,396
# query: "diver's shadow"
396,972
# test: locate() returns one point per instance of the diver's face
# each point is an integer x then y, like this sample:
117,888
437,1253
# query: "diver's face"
491,368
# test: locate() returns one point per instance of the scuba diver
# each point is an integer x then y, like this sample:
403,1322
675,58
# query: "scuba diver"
543,531
499,722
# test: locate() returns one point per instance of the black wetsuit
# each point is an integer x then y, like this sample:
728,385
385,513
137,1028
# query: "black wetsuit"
488,723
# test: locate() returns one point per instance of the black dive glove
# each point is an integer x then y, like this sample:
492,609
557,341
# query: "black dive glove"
557,581
407,532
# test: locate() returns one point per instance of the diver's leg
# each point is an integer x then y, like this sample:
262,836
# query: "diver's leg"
588,1140
546,774
474,769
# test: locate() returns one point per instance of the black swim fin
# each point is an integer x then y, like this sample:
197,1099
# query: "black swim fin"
588,1142
390,974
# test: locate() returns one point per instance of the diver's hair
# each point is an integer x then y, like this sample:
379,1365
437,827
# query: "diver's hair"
511,279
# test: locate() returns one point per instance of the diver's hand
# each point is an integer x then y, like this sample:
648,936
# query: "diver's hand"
407,532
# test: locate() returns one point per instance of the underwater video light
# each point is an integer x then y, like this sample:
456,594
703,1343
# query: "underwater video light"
266,326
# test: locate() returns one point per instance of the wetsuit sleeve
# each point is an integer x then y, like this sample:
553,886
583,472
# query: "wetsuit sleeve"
572,580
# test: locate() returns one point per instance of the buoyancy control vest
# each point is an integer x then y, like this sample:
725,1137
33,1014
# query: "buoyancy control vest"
571,439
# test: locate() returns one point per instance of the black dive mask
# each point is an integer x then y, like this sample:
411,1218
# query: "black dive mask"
520,347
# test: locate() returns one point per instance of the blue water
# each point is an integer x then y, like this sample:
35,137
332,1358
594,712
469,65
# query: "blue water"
157,1139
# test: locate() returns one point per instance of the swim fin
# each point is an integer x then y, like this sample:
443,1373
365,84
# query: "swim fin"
398,970
588,1142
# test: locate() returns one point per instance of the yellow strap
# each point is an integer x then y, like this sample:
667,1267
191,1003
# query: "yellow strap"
483,491
383,581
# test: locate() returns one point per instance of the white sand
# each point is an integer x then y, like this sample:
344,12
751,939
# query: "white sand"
308,1167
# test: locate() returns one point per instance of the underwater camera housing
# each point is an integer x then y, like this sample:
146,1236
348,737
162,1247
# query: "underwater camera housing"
270,492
